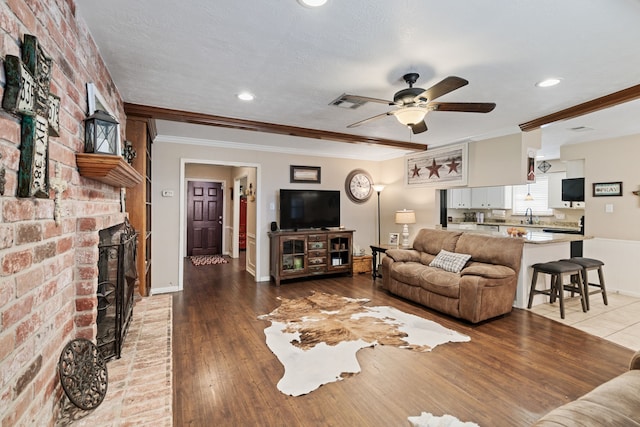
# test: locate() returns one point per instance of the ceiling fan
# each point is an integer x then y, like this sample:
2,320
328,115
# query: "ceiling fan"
414,103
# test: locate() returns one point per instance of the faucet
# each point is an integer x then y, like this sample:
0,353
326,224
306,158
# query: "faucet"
529,212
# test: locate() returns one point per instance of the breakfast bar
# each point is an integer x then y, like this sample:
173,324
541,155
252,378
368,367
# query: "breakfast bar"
539,247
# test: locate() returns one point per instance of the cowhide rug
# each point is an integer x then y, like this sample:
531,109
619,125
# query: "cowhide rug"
316,338
427,419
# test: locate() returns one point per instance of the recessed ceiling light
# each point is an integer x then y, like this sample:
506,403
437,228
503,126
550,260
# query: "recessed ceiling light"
548,82
246,96
312,3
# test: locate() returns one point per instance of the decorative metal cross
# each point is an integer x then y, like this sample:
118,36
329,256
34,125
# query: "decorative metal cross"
27,94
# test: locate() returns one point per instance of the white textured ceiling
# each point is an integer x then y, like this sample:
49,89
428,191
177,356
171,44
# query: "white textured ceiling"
197,55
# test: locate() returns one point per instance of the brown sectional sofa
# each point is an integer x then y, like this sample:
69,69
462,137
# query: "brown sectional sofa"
614,403
483,289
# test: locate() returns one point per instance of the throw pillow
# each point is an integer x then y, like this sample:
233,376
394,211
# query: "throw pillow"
450,261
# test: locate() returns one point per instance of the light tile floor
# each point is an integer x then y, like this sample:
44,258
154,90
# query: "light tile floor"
618,322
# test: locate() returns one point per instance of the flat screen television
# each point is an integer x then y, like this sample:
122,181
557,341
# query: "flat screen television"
300,209
573,190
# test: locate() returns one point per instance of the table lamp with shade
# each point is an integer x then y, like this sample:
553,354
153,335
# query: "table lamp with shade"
405,217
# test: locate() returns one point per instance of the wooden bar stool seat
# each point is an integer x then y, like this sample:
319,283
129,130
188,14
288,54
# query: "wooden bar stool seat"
557,270
587,265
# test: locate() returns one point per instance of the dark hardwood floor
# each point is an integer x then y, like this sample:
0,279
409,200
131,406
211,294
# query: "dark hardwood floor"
515,369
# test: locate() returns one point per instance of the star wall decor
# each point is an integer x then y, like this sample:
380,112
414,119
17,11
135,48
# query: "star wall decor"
447,166
433,169
453,165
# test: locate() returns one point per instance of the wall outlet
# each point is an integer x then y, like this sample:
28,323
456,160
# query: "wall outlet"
608,208
167,193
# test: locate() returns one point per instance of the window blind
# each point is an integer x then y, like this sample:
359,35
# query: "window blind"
539,191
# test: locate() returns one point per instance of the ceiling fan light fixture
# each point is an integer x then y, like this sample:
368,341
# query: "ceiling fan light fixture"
312,3
410,115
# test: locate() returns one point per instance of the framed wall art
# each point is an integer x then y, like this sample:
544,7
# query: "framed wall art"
445,166
605,189
305,174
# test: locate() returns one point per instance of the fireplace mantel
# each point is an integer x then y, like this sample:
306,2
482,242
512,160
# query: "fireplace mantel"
107,168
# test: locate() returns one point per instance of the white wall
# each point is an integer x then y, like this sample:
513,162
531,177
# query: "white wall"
272,174
612,160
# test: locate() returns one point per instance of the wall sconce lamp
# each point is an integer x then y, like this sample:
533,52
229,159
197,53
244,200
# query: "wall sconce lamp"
405,217
251,195
101,133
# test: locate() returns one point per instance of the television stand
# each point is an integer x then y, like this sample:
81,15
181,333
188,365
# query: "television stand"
298,254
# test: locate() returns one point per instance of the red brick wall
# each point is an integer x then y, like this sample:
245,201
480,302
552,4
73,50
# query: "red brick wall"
48,273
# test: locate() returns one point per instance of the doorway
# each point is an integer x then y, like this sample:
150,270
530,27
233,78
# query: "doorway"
225,173
204,218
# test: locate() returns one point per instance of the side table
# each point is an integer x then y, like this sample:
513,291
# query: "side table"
375,250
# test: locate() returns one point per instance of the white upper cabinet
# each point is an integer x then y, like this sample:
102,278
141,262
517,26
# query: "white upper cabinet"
491,197
459,198
555,191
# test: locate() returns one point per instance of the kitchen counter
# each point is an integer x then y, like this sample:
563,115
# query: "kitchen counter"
562,226
539,247
536,237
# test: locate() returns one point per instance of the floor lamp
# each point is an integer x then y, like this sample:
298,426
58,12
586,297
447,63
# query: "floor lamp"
405,217
378,189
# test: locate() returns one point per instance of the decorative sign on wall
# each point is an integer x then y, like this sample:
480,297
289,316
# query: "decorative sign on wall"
445,166
27,94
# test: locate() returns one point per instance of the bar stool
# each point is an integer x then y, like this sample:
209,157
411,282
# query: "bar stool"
557,270
588,264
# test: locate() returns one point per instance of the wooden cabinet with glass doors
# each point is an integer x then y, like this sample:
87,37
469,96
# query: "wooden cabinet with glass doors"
297,254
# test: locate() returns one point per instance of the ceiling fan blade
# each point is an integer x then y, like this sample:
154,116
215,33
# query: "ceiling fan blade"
466,107
361,99
361,122
448,84
418,127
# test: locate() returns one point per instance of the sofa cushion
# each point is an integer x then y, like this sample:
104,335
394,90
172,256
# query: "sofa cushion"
403,255
492,250
450,261
431,241
407,272
490,271
440,282
614,403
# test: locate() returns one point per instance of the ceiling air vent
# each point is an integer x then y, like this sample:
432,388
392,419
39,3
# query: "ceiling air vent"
581,129
348,104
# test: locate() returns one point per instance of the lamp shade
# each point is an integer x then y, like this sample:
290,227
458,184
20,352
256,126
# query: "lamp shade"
101,133
378,188
405,217
410,115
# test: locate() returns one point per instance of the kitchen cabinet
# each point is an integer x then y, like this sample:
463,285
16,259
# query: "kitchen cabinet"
491,197
459,198
554,192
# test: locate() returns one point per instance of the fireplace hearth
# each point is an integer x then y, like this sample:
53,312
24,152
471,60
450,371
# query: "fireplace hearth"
117,277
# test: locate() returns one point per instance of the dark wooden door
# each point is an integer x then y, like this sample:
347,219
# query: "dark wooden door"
204,218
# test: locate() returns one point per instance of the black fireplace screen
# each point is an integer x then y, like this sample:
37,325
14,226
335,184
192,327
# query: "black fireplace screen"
117,277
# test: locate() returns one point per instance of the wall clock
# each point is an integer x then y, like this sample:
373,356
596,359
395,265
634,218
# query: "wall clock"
359,186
